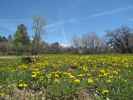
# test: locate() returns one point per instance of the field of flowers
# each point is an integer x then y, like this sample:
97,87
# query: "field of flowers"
67,77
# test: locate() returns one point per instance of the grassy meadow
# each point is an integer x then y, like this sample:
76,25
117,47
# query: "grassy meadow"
67,77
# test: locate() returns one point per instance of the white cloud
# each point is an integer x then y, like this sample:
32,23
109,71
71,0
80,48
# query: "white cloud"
75,20
131,19
65,44
61,22
117,10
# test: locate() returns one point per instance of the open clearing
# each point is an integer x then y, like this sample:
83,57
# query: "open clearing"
67,77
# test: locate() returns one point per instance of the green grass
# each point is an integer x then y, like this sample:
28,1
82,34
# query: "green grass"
111,73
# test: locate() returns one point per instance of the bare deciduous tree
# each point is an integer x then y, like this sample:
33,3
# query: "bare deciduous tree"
88,43
121,39
38,28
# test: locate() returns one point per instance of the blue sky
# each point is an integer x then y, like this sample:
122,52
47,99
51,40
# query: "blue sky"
66,18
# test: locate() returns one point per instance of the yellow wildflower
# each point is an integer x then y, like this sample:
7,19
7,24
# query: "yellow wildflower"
90,81
22,84
76,81
105,91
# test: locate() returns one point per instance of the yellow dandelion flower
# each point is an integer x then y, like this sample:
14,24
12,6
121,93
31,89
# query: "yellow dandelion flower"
105,91
76,81
90,81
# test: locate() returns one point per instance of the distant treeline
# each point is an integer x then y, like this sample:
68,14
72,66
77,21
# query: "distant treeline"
119,40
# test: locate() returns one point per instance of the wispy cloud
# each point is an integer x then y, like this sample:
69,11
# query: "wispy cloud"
59,24
110,12
131,19
99,14
55,24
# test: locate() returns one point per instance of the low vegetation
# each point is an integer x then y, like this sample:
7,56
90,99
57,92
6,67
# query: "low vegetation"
67,77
